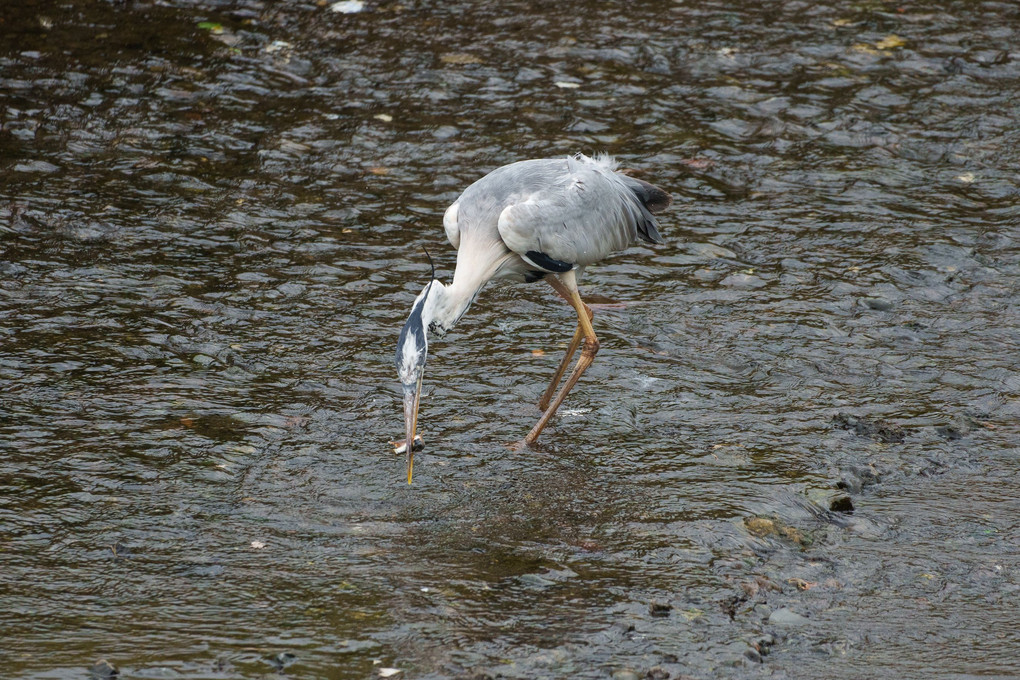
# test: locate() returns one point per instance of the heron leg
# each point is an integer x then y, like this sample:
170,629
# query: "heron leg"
543,403
566,285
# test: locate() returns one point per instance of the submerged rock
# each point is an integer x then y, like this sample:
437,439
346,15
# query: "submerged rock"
874,428
787,617
660,609
103,670
877,303
763,527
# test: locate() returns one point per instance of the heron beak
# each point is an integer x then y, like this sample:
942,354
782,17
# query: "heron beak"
412,395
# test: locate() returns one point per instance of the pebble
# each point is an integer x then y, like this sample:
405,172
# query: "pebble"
445,132
660,609
103,670
742,281
624,626
866,426
347,7
787,617
626,674
704,274
282,660
877,303
36,166
291,289
711,250
949,432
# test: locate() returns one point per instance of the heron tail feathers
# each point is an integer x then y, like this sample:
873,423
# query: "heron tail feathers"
652,197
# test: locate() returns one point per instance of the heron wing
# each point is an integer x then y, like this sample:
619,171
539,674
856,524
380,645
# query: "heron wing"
450,224
581,212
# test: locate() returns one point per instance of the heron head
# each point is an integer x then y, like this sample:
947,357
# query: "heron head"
412,350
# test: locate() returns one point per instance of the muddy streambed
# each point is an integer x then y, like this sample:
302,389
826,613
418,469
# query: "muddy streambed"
795,456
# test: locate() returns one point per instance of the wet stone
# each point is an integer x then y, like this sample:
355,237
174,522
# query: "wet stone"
787,617
660,609
742,280
842,504
291,289
858,478
877,303
711,251
282,660
764,643
763,527
626,674
624,626
866,426
707,274
36,166
949,432
103,670
445,132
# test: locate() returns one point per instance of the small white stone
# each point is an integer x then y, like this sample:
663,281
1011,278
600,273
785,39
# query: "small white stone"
258,545
567,85
384,117
966,177
277,46
388,672
347,6
787,617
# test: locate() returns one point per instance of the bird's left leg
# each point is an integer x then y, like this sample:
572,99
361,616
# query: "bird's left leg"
543,403
566,285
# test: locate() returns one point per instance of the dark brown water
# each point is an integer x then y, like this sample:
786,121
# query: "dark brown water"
796,455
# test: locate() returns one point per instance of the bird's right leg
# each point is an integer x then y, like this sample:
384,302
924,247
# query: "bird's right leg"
543,403
567,287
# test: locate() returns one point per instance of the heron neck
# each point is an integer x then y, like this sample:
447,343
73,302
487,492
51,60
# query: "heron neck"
446,305
476,264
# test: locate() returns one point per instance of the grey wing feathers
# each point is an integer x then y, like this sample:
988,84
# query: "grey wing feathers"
579,210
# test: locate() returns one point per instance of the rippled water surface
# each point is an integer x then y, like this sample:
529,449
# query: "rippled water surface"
795,456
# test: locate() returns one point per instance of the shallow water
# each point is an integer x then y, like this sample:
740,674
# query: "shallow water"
806,401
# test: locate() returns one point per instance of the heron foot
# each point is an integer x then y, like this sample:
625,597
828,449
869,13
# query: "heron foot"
522,445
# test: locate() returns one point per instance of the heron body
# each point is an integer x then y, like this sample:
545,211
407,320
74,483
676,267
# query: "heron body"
533,220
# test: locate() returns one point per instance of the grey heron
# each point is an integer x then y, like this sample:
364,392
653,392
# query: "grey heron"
533,220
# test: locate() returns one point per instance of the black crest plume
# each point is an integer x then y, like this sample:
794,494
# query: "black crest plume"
431,263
